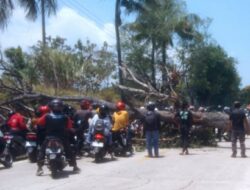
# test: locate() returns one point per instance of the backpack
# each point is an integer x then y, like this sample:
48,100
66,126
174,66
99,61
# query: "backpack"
150,121
184,117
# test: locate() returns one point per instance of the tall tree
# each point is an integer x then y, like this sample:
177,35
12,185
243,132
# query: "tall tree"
155,24
213,76
32,7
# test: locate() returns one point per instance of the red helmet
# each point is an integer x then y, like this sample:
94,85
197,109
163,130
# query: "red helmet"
120,105
85,104
44,109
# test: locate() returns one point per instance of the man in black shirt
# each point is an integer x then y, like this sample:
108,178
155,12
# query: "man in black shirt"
238,125
152,123
185,119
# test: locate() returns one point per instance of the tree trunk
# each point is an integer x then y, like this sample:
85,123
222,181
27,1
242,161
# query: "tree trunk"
118,43
153,63
43,23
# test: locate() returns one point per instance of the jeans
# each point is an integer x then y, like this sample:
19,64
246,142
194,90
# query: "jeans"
152,142
241,136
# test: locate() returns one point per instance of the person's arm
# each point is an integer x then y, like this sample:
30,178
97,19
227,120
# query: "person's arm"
246,126
177,120
230,124
22,123
42,121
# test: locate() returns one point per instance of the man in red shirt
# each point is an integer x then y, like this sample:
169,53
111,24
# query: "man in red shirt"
16,123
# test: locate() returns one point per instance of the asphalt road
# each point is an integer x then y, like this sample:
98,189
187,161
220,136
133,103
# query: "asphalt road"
203,169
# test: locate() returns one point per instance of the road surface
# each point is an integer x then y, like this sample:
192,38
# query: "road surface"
203,169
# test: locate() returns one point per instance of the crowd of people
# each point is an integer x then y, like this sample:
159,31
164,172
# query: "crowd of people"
63,121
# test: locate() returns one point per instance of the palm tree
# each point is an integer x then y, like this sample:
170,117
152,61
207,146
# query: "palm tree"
32,8
6,8
155,23
118,43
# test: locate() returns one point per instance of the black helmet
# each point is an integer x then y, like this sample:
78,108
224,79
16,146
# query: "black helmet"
237,104
56,105
103,109
11,112
150,106
68,110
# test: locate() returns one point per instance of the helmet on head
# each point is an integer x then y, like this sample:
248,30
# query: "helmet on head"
56,105
85,104
191,107
120,105
95,105
11,112
44,109
185,105
201,109
68,110
237,104
103,109
150,106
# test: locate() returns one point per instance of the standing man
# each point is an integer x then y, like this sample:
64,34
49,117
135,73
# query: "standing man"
239,126
152,123
185,119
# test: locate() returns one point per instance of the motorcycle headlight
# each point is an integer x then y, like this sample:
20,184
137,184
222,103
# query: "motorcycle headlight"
59,151
52,156
48,151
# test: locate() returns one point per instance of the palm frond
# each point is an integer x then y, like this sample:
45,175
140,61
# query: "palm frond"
6,8
31,8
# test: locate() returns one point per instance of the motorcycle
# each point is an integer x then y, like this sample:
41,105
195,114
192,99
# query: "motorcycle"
31,146
99,147
15,145
126,146
5,157
55,155
80,145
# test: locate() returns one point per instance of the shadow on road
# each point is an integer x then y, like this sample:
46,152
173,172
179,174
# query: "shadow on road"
3,168
62,174
105,160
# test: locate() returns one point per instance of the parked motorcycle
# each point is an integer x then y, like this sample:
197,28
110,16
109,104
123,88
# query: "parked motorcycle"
122,143
98,145
5,157
55,156
15,145
79,144
31,146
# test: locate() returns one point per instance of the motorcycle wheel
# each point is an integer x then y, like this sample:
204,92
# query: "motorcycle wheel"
32,156
53,170
97,158
8,161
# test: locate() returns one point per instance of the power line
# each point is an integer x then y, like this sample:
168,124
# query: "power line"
86,12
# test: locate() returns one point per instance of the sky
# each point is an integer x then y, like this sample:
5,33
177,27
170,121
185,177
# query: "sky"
94,20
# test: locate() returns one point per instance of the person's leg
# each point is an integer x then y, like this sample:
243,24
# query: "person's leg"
149,142
80,142
186,141
155,135
242,143
70,155
182,141
40,158
234,141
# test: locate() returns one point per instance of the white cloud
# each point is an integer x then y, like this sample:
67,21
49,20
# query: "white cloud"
67,24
